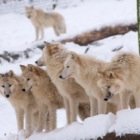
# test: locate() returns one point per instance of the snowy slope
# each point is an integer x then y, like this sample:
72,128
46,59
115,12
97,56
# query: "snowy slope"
17,34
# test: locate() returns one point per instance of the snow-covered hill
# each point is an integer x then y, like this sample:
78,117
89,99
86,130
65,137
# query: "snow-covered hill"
17,34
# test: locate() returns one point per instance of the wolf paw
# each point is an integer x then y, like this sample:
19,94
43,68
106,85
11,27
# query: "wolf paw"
27,134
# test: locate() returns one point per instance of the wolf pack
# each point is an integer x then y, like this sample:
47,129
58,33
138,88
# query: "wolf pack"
81,84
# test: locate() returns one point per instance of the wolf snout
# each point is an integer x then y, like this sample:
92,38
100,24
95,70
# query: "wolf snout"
109,95
23,90
7,96
61,77
38,63
106,99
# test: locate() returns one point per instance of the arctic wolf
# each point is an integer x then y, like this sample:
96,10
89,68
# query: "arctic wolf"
44,91
122,76
23,104
42,20
83,69
38,81
73,94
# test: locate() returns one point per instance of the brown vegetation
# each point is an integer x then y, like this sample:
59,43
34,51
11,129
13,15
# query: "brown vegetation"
82,39
89,37
112,136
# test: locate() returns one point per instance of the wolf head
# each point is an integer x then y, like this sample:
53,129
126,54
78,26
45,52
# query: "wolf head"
30,12
8,82
109,82
31,76
42,60
70,65
52,51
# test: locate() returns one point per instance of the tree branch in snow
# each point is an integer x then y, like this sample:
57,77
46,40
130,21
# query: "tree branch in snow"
95,35
83,39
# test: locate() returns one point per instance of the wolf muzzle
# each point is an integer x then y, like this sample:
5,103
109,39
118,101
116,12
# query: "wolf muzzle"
23,89
61,77
28,16
7,96
109,95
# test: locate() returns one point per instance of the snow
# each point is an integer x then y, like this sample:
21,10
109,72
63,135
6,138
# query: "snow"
128,42
17,34
85,130
127,122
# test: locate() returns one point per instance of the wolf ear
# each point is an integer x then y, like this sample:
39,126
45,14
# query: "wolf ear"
73,55
110,74
22,67
100,74
31,67
52,49
48,46
11,73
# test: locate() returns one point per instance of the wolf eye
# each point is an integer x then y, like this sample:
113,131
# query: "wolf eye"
68,66
3,86
10,85
28,79
108,86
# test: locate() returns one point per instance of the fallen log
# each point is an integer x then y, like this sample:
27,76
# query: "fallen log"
83,39
95,35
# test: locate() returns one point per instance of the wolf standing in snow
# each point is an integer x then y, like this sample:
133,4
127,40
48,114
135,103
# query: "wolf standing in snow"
45,93
73,94
23,104
122,76
42,20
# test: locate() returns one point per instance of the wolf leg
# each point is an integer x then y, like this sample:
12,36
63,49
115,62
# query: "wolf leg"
61,27
132,102
20,118
73,110
47,123
28,124
42,33
84,110
52,113
37,33
42,115
67,107
137,99
102,106
56,30
93,106
124,99
35,120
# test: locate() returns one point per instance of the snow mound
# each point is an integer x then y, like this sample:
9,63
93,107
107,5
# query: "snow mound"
125,122
128,122
92,127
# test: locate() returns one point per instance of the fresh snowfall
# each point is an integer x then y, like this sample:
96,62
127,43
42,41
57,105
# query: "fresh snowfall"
17,34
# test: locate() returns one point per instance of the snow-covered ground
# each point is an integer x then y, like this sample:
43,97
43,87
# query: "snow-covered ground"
17,34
